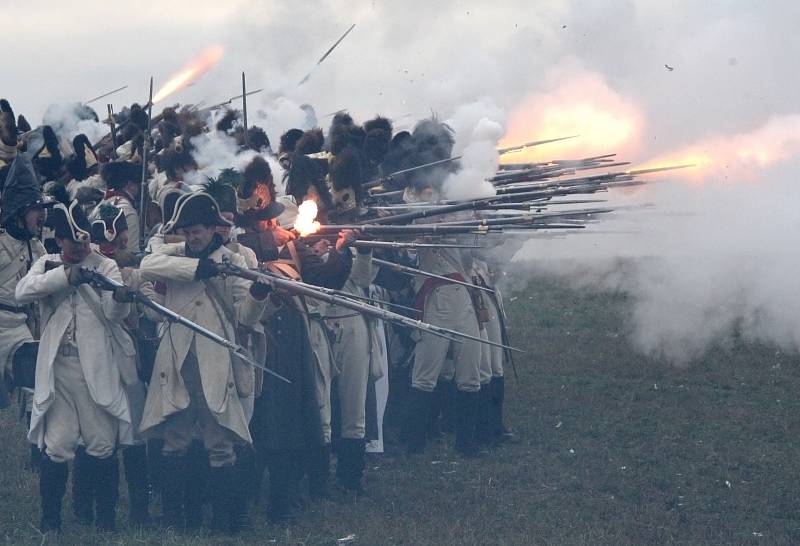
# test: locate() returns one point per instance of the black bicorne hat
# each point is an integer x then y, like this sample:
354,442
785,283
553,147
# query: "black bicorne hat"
69,221
193,209
110,224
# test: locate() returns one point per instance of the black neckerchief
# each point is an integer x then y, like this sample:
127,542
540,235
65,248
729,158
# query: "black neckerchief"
215,243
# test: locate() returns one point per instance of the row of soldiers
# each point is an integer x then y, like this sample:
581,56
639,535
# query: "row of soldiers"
107,373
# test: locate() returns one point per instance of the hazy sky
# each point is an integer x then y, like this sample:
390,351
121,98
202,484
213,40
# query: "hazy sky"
711,81
734,61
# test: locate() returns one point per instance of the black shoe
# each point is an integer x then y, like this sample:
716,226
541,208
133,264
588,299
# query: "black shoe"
134,459
106,491
417,414
83,487
52,486
350,464
221,482
172,491
466,423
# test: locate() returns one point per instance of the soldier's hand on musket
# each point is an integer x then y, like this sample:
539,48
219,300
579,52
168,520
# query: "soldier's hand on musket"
75,275
123,294
206,268
260,290
281,236
346,238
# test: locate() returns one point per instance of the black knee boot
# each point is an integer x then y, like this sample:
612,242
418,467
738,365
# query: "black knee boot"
245,474
448,406
350,464
484,428
134,459
498,390
417,413
35,458
173,483
83,487
106,491
282,475
52,485
434,427
221,482
196,490
466,421
319,469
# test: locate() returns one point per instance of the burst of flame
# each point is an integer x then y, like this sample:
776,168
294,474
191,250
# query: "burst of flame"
305,223
579,105
742,155
199,66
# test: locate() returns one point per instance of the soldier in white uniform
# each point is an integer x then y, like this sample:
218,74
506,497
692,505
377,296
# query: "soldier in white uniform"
21,217
79,394
196,383
123,180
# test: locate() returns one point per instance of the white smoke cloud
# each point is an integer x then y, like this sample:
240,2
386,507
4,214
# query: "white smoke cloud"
711,258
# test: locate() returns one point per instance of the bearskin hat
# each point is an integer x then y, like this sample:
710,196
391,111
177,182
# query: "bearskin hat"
193,209
173,160
377,139
256,194
118,173
21,191
289,140
305,173
227,121
311,142
257,139
432,140
344,132
345,175
84,162
109,224
69,221
399,157
48,159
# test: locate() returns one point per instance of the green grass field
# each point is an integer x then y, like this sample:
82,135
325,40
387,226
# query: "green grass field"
616,449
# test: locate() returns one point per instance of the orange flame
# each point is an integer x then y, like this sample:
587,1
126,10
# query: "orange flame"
741,155
580,105
305,223
199,66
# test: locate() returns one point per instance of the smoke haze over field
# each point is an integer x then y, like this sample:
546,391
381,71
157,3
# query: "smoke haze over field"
707,82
